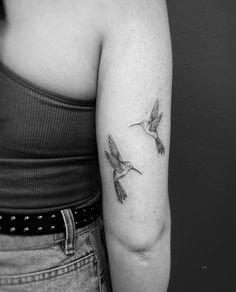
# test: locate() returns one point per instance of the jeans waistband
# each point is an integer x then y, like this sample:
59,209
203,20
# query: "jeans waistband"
31,242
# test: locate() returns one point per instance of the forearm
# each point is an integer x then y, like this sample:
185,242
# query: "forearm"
134,270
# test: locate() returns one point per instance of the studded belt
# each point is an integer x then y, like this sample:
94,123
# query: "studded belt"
46,223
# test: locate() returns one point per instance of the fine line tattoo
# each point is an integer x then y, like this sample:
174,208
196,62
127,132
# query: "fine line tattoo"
150,126
121,168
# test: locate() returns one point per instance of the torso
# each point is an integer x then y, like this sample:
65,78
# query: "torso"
54,44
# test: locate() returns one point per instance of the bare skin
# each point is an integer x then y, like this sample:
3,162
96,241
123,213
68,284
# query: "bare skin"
44,43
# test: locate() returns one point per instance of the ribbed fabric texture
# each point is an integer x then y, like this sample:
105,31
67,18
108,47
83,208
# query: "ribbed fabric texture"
48,154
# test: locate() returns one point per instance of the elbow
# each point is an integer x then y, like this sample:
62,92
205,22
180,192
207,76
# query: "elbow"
148,242
144,241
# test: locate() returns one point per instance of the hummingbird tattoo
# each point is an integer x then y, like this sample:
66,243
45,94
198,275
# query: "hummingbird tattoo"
121,168
150,126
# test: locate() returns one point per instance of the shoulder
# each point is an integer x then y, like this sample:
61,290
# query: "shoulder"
128,18
129,10
135,25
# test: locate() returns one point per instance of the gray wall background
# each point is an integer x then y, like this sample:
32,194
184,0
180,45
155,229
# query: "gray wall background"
203,146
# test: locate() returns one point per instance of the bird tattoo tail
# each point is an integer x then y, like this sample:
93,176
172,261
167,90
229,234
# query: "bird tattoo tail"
121,193
160,146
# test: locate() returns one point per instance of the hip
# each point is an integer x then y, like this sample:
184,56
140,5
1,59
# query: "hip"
40,263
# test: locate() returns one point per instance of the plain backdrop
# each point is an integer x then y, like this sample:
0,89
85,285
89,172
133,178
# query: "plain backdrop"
203,147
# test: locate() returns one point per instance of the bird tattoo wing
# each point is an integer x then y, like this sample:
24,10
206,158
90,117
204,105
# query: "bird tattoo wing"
155,110
113,149
155,123
114,161
114,157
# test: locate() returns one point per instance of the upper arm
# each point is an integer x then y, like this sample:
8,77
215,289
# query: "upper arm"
135,71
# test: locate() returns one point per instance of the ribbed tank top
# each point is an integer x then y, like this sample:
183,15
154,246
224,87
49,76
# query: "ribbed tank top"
48,153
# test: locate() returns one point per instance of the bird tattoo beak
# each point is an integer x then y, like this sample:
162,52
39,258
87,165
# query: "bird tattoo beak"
138,124
136,170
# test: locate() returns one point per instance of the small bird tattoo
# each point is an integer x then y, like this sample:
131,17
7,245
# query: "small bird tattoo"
121,168
150,126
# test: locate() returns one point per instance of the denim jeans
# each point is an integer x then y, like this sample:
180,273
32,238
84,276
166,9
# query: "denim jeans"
71,261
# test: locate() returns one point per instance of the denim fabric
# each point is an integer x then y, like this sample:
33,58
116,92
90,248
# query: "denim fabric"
40,263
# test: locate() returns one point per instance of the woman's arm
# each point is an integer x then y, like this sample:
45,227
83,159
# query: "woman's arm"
135,85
